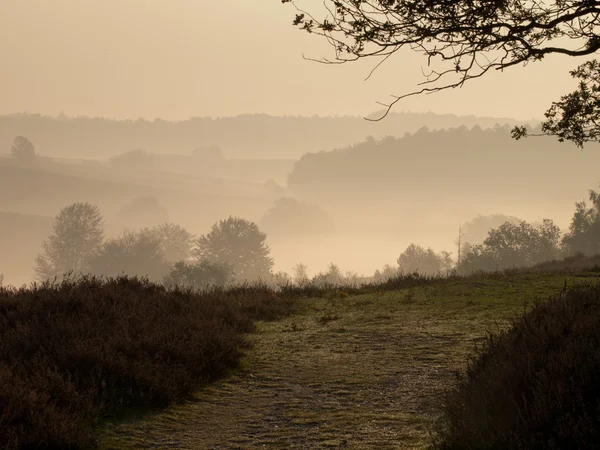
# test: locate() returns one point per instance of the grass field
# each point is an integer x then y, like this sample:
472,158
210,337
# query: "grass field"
364,371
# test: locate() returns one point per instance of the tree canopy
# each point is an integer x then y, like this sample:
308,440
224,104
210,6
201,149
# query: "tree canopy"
240,244
465,39
22,149
77,236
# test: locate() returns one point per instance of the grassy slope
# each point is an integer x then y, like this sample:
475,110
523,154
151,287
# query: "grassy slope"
346,372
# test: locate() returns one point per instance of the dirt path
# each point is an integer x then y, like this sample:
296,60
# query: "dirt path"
360,372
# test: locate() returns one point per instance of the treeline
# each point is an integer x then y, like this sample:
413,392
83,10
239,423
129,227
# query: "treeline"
510,243
256,135
458,164
235,250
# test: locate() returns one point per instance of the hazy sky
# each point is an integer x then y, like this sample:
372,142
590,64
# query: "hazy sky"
180,58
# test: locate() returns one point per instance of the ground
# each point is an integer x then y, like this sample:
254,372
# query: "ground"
365,371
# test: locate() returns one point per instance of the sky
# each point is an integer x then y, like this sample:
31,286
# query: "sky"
176,59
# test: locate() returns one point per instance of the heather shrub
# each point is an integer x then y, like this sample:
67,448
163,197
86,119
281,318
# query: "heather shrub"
200,275
535,385
81,349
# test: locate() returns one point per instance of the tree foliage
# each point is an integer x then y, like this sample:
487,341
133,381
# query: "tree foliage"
425,261
584,231
575,116
300,274
476,230
514,245
239,243
143,211
200,275
77,236
175,241
291,216
464,40
22,149
132,254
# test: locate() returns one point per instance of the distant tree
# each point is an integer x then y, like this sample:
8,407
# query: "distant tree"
134,254
274,188
77,236
584,231
281,279
523,244
133,159
425,261
352,278
143,211
300,274
239,243
291,216
478,258
332,277
176,242
1,279
200,275
464,40
388,272
514,245
209,154
476,230
22,149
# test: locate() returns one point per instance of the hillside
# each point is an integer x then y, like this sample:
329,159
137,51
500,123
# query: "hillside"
351,372
436,176
245,136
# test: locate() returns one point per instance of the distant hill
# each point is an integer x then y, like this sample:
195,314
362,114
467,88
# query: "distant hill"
447,174
245,136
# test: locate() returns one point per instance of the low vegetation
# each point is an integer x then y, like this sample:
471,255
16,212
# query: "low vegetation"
73,352
350,368
535,385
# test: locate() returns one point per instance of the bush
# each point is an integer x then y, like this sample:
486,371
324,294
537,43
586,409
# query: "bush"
200,275
536,385
74,351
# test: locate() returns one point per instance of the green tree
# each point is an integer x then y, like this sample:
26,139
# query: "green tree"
22,149
239,243
77,236
464,40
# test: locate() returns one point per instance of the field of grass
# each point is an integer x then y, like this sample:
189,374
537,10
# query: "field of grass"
344,371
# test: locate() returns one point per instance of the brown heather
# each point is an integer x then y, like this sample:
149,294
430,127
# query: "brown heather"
74,352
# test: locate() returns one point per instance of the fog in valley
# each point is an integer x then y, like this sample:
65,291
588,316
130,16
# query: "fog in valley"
158,114
349,224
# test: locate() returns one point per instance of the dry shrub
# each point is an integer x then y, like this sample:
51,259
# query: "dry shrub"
534,386
81,349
